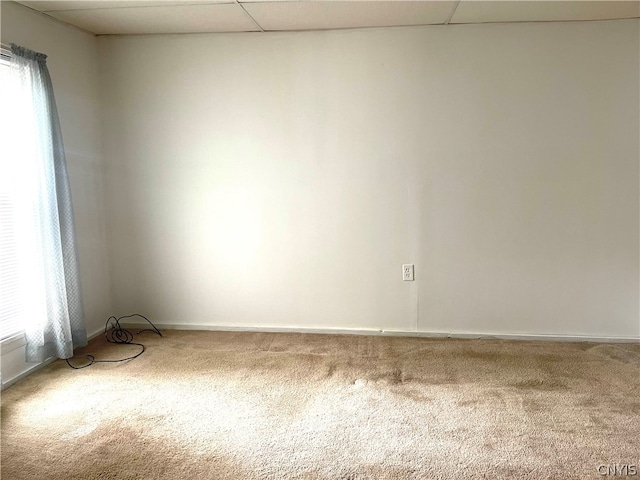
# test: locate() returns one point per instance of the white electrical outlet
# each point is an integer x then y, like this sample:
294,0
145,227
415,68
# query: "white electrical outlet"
407,272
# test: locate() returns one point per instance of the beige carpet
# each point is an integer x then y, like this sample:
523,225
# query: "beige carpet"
211,405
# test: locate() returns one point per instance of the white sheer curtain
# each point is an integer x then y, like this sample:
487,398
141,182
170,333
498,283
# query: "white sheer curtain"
35,175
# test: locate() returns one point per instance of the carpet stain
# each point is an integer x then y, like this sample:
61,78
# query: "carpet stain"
397,376
484,356
619,353
393,377
540,384
413,394
372,472
549,358
531,405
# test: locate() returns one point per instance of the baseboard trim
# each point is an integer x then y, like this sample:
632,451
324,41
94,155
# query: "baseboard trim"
40,365
26,373
396,333
348,331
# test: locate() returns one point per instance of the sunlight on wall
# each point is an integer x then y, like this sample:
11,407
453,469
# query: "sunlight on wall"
236,227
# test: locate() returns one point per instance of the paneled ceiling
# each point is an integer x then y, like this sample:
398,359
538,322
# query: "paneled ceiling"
104,17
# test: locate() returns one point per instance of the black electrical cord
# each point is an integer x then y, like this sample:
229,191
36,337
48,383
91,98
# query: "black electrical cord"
114,333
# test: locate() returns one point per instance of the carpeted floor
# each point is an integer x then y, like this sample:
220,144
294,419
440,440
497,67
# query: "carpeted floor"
214,405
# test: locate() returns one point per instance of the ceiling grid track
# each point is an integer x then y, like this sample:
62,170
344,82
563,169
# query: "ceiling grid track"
249,15
453,11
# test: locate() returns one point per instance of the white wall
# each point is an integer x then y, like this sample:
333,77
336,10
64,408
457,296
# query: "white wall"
281,179
73,64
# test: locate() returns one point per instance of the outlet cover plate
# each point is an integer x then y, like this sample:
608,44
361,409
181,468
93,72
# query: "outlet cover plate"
407,272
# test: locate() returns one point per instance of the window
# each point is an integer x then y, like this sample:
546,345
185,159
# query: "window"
9,268
40,282
20,295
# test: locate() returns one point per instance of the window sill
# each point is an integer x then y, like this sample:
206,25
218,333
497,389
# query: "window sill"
12,343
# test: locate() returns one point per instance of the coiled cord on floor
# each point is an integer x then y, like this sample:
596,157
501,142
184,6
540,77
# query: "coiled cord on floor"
114,333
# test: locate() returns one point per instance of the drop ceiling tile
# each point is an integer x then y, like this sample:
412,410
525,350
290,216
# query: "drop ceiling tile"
543,11
317,15
160,19
54,5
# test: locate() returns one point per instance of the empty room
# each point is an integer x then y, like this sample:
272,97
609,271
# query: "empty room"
341,240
